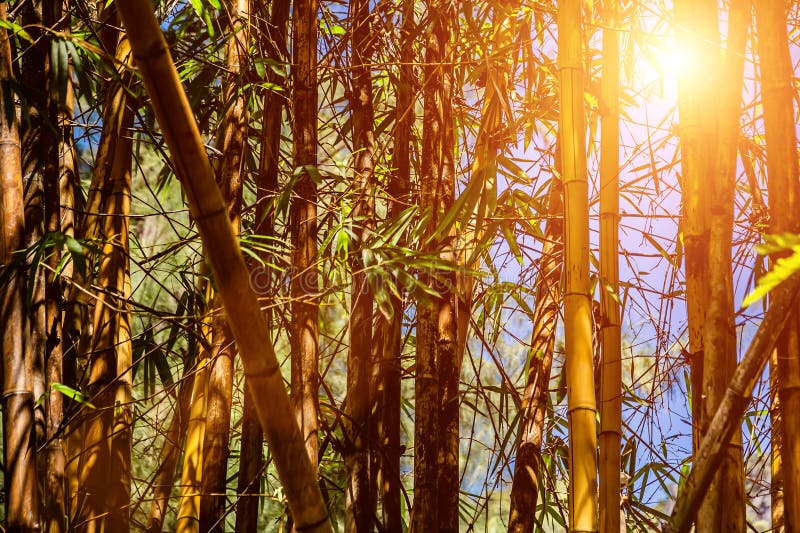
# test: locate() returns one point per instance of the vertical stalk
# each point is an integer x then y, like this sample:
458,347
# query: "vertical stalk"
105,464
581,405
261,369
719,340
219,396
272,35
778,92
58,161
188,519
232,141
528,461
19,459
437,378
359,492
304,285
611,365
388,390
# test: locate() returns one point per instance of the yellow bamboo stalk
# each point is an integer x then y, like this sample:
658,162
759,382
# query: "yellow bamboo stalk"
261,367
581,405
783,180
21,494
697,29
611,367
728,417
104,475
719,331
188,520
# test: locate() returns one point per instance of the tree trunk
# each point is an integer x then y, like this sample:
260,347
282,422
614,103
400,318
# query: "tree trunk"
611,365
528,461
360,492
19,459
782,183
581,406
261,369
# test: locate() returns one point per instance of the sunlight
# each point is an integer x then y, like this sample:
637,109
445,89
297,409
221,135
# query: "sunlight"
675,59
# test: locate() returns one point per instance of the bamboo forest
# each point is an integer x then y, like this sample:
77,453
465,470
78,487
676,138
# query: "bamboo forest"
374,266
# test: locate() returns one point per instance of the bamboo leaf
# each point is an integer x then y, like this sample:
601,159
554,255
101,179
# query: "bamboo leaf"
72,393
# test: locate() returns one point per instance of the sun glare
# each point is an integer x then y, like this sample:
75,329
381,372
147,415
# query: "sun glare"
675,59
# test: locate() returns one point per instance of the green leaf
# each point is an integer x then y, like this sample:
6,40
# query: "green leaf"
335,29
781,271
72,393
16,29
78,255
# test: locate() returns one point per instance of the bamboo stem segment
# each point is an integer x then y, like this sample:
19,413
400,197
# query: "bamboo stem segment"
193,167
611,367
581,403
728,416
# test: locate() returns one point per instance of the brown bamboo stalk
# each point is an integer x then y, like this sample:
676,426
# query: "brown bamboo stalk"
21,495
251,466
611,365
778,92
56,157
358,429
436,394
728,417
273,35
528,460
230,177
442,194
581,405
37,140
698,108
219,398
261,368
105,464
304,285
388,330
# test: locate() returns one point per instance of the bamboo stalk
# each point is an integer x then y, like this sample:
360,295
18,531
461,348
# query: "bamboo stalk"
389,330
783,182
360,502
232,137
611,365
581,404
528,470
261,367
728,416
21,494
105,463
304,285
719,329
273,35
188,519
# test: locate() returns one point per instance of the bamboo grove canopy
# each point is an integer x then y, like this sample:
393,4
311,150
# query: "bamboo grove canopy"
423,266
